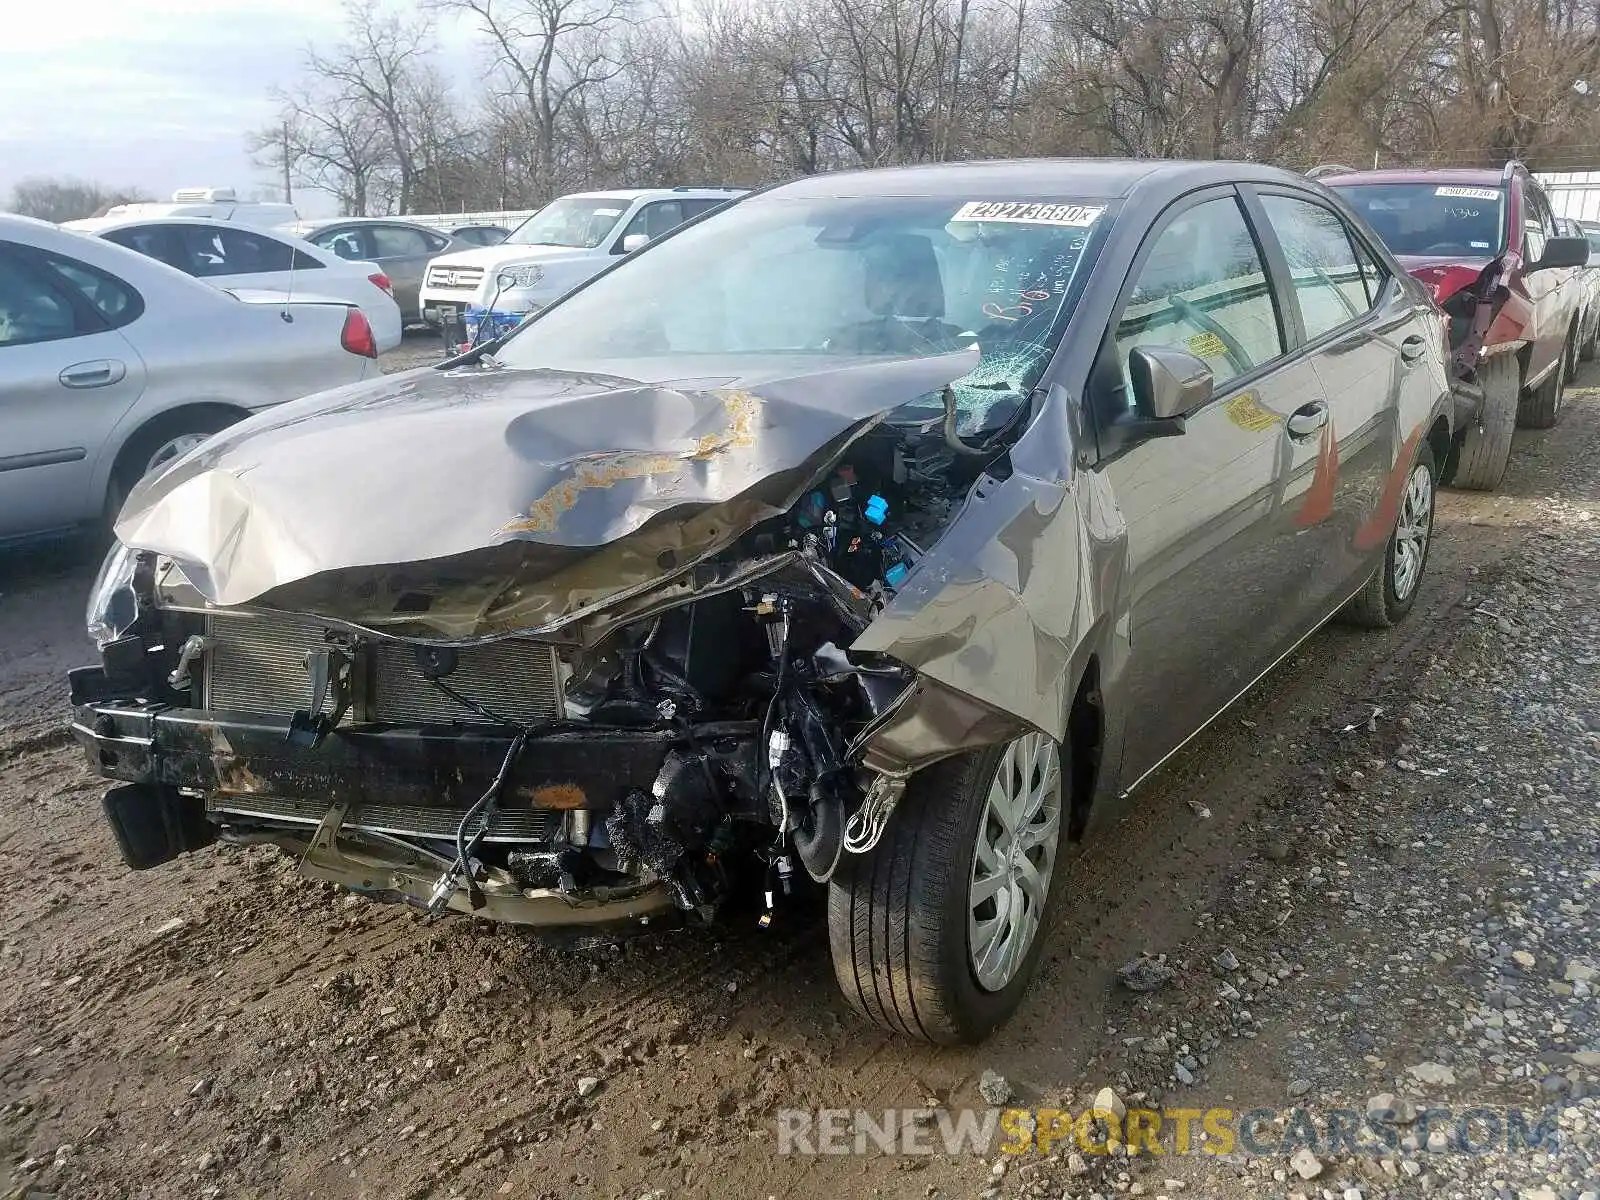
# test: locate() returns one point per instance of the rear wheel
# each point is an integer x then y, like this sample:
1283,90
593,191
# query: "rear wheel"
1392,591
1541,407
1479,459
163,441
937,930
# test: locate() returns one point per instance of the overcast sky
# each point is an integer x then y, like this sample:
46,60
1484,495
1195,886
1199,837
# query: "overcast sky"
156,94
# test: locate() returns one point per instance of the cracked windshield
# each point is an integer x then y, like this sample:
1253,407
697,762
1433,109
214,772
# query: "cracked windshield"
848,278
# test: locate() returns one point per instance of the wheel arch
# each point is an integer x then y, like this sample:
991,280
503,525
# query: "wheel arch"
1086,744
174,416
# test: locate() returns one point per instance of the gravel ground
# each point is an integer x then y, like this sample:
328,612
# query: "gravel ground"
1376,876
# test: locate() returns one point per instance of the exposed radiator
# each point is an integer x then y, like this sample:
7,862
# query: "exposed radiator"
257,665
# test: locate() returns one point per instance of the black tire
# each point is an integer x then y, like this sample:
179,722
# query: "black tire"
1569,356
142,446
1541,406
897,916
1479,459
1379,604
1589,346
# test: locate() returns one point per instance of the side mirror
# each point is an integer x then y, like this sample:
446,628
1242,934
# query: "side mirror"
1168,383
634,241
1563,252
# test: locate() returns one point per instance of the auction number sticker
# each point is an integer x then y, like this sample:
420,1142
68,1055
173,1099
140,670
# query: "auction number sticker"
1019,212
1468,193
1245,411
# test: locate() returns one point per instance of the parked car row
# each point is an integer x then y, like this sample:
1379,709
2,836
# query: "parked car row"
228,255
877,533
113,364
555,250
1515,284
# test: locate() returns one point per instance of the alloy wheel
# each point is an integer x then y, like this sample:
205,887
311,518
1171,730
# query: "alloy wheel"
1014,859
173,448
1410,546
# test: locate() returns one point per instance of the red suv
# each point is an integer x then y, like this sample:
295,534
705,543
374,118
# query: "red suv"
1486,243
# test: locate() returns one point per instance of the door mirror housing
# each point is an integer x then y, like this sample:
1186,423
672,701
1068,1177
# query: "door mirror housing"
635,241
1168,383
1563,252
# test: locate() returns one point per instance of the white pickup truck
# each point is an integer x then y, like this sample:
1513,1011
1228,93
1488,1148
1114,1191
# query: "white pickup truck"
559,247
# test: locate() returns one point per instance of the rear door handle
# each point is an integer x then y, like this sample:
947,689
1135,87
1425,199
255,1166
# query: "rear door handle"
1412,349
99,373
1308,419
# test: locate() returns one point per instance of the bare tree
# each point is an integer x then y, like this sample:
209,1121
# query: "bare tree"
581,93
67,199
547,53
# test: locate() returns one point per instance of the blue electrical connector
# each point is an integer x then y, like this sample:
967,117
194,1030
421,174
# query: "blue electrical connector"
877,509
896,575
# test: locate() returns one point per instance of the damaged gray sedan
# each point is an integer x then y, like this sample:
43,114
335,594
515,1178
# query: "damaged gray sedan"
882,528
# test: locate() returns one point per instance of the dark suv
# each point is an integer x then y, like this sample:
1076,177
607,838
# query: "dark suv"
1487,245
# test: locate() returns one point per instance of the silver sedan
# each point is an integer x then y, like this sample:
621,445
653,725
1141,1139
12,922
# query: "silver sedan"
113,364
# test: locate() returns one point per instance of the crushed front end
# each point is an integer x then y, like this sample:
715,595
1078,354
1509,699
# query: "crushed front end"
631,762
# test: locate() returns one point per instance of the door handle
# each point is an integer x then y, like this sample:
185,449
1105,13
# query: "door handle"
1412,349
1308,419
100,373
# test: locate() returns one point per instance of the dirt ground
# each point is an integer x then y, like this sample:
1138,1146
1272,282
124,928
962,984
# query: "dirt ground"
218,1027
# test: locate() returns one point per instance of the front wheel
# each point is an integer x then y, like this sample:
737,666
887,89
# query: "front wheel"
1478,460
937,930
1392,590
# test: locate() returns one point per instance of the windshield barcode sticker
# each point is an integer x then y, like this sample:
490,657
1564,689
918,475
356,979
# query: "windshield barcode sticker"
1017,212
1468,193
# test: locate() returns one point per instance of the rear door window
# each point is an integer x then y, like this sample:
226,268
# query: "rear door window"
152,241
115,300
397,241
1323,268
32,309
213,251
344,243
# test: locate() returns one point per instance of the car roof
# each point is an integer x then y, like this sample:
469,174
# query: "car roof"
1069,178
102,224
325,222
1470,176
631,194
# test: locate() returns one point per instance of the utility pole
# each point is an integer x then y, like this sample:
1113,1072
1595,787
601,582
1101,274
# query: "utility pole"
288,190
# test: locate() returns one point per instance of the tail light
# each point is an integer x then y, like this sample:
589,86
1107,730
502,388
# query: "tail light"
357,335
383,281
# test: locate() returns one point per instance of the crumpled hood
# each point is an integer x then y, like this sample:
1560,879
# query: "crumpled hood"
1444,275
535,470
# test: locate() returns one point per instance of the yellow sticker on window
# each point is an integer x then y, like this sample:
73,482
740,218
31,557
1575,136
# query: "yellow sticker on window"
1207,345
1245,411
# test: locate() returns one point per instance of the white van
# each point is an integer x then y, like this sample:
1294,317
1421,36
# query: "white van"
218,203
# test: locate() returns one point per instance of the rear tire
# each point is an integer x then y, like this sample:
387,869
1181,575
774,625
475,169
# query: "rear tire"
903,919
1541,407
1479,460
1392,590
